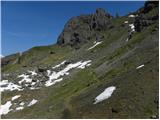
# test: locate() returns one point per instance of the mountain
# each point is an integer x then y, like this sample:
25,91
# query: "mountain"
101,67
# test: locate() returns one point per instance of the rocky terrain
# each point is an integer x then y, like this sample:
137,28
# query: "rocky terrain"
101,67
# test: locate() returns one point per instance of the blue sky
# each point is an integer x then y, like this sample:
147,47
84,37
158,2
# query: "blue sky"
29,24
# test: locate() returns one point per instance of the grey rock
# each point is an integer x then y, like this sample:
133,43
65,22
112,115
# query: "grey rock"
80,29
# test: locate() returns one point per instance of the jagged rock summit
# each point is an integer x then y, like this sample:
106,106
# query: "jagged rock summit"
80,29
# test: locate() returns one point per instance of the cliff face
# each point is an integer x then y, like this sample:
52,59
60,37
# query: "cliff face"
81,29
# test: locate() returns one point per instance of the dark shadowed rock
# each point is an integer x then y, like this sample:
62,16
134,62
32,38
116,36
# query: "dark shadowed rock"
100,20
143,20
51,52
114,110
42,69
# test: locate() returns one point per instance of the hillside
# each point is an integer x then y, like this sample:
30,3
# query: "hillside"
101,67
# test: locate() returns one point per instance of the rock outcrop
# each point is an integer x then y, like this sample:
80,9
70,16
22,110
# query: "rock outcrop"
11,58
143,20
79,30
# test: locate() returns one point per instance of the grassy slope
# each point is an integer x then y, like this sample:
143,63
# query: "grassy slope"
38,56
73,98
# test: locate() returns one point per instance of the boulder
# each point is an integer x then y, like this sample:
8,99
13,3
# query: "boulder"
51,52
41,69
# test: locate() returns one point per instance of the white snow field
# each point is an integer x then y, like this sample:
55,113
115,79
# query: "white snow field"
105,94
55,76
26,80
4,109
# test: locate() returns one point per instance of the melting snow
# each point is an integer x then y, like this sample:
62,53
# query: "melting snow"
105,94
25,79
20,108
22,103
62,63
15,97
48,72
140,66
95,44
33,83
52,82
84,64
5,85
32,102
32,72
4,109
131,16
126,22
132,27
55,76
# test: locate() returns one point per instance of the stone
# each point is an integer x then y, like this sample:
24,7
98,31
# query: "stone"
41,69
154,117
114,110
51,52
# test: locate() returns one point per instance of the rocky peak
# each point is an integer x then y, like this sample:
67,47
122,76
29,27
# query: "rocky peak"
101,12
100,19
80,29
149,5
146,15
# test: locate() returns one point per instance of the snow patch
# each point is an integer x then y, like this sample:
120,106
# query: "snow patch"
126,22
127,40
4,109
22,103
132,27
32,72
140,66
48,72
95,44
84,64
25,78
8,86
62,63
34,101
55,76
105,94
19,108
131,16
52,82
15,97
